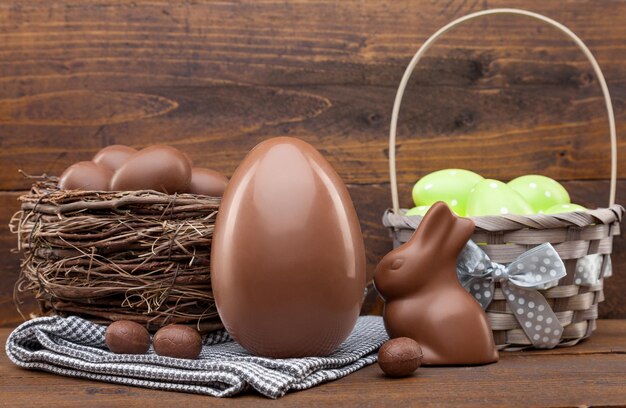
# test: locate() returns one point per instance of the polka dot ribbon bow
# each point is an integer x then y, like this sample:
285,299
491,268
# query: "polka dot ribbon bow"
589,270
539,268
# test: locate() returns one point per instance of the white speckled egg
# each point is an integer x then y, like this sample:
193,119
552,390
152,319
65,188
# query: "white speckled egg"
451,186
493,197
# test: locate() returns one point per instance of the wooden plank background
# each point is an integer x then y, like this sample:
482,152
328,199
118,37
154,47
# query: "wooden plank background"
503,96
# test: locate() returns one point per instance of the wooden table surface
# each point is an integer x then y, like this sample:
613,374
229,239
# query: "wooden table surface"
591,374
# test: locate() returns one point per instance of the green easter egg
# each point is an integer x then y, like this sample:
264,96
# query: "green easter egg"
563,208
419,210
493,197
540,192
451,186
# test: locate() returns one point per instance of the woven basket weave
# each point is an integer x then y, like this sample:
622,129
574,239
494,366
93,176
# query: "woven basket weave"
132,255
573,235
577,237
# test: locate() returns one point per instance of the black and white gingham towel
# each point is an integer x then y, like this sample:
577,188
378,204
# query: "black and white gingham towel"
75,347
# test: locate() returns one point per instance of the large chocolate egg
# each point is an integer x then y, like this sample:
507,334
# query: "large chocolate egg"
160,168
288,262
114,156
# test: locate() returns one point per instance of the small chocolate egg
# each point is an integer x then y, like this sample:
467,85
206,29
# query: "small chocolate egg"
112,157
493,197
400,357
451,186
160,168
287,258
540,192
126,337
207,182
178,341
85,175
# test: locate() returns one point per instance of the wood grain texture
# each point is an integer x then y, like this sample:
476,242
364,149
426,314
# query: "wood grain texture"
215,78
591,374
502,96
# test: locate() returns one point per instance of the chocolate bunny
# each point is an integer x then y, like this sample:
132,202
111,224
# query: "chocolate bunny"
424,299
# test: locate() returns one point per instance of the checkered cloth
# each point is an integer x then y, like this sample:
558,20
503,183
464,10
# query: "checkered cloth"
75,347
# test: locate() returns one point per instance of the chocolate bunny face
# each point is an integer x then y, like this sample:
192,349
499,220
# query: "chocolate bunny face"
440,237
424,299
394,273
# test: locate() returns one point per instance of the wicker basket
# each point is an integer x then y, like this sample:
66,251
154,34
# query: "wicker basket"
134,255
578,237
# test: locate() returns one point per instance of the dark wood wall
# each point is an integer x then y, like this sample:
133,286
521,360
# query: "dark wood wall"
503,96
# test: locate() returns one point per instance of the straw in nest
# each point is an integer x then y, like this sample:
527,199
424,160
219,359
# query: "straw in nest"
135,255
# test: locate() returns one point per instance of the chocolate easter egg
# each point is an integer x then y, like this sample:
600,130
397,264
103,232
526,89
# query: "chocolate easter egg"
540,192
207,182
114,156
126,337
288,261
451,186
178,341
160,168
400,357
85,175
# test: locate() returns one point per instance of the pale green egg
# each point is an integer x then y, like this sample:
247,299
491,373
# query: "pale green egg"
493,197
419,210
563,208
451,186
540,192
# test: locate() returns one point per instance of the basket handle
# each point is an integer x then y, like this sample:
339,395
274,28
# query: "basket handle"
430,41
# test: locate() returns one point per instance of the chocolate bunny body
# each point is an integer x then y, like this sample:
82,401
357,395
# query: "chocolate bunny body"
425,301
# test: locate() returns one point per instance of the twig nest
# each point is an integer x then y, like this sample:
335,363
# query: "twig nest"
151,251
400,357
126,337
178,341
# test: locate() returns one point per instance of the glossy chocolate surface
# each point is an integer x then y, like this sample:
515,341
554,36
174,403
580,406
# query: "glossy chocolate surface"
207,182
288,261
424,299
114,156
85,175
159,167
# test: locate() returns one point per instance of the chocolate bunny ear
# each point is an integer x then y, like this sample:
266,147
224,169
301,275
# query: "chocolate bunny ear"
442,229
436,224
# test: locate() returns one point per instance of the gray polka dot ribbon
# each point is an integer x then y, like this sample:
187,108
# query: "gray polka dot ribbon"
538,268
589,268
